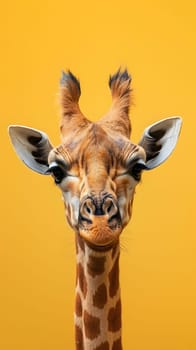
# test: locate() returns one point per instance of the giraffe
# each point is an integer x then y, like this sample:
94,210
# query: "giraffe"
97,169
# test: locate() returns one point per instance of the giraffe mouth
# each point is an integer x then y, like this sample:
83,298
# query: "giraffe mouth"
99,232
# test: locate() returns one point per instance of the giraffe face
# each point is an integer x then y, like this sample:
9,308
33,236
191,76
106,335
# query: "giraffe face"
96,166
97,177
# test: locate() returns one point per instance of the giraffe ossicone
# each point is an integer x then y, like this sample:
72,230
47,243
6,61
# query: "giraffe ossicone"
97,168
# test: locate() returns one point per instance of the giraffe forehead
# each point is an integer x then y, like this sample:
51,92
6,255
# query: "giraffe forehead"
95,149
104,151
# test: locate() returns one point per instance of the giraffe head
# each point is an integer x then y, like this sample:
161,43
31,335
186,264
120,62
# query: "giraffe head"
96,166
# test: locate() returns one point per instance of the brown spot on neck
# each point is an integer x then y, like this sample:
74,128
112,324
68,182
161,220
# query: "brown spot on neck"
91,326
114,278
96,265
103,346
100,296
117,345
114,318
78,305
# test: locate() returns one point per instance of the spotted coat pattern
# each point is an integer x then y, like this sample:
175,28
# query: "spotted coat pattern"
98,304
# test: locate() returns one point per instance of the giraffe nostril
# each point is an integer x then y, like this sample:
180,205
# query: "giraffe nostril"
87,209
108,210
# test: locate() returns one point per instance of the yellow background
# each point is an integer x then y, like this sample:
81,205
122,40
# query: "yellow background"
156,41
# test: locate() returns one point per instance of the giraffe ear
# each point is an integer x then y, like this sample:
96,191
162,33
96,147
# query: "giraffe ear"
159,140
32,146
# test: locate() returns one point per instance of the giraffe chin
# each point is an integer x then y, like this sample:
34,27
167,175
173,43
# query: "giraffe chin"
99,234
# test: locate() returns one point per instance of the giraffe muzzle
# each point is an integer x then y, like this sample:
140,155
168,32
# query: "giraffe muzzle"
99,220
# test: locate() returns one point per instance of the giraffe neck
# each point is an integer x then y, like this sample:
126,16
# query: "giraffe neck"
98,304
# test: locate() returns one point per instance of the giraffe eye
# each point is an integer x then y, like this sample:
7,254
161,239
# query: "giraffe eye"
57,172
136,170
